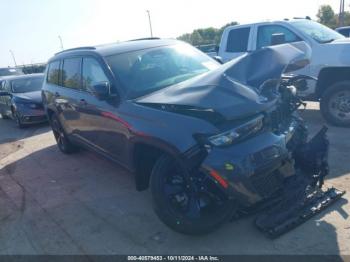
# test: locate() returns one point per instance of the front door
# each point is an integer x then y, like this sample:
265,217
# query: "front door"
99,121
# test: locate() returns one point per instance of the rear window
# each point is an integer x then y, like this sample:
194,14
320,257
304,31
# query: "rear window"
237,41
53,73
10,71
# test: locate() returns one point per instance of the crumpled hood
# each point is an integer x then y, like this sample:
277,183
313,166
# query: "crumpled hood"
232,90
29,96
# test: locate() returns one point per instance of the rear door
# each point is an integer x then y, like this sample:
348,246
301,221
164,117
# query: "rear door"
235,42
69,96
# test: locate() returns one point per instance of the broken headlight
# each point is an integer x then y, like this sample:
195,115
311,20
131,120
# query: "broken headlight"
237,134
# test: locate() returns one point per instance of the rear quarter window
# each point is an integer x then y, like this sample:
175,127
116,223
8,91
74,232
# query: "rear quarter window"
53,73
237,40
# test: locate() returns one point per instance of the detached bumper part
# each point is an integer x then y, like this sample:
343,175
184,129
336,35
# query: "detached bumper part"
289,214
302,195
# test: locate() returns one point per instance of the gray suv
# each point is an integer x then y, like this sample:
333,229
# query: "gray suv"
209,140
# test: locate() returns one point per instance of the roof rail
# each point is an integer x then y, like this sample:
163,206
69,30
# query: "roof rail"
145,38
306,17
77,48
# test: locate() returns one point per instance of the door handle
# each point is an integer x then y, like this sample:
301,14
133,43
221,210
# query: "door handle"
82,102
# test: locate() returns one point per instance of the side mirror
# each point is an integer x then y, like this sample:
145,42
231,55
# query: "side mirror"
278,39
4,93
217,49
101,90
218,59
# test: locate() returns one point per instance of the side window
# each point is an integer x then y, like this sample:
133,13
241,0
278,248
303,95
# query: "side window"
265,35
71,77
237,40
53,73
92,73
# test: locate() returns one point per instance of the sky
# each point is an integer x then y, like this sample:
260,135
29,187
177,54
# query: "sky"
30,28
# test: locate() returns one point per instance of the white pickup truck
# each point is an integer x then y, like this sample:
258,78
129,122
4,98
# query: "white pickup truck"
330,59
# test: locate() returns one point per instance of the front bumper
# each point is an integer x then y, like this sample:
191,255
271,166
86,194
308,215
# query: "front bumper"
32,116
254,169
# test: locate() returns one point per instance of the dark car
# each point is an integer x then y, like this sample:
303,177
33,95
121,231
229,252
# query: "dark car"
345,31
20,99
9,71
209,139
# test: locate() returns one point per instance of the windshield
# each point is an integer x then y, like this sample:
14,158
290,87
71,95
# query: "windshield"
10,71
25,85
318,32
144,71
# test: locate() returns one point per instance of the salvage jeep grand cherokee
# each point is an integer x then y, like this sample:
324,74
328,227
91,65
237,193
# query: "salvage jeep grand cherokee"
210,140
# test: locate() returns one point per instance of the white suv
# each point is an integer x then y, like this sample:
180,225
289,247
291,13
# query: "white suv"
330,59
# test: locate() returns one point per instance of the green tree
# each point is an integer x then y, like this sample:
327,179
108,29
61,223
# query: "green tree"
327,16
346,18
205,36
196,38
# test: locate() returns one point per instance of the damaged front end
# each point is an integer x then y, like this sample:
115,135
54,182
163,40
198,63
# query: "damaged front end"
267,163
249,146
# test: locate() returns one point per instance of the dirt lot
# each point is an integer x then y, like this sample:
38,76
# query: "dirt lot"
83,204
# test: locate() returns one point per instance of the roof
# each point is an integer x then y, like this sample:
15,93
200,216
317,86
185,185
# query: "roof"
15,77
119,48
343,27
268,22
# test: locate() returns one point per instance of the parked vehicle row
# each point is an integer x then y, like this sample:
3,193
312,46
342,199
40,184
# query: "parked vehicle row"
329,68
210,140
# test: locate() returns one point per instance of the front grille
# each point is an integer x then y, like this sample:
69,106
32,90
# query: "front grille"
267,183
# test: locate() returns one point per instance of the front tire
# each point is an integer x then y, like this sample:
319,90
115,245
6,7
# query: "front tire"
62,140
188,203
3,116
335,104
18,120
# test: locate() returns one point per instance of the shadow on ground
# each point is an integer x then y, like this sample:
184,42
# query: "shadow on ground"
82,204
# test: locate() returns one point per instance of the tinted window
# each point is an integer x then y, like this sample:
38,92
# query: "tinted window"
265,35
238,40
92,73
53,73
71,73
26,84
345,32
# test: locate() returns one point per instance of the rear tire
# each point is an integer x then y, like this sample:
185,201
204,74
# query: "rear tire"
190,210
335,104
62,140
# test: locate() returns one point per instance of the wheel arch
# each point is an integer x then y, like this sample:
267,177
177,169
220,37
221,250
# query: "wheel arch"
329,76
144,155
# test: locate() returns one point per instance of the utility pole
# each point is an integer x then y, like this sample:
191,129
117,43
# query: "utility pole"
149,20
61,42
341,13
13,57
